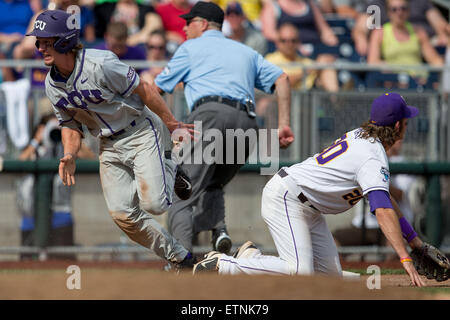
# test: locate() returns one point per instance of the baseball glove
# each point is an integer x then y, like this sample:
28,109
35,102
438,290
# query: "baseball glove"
430,262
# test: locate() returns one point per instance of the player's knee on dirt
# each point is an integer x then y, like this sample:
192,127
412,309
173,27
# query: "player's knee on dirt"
329,266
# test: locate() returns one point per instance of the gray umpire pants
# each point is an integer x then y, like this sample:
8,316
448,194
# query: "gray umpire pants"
205,209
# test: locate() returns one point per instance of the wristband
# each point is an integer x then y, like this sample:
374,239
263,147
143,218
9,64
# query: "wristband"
407,231
34,143
406,259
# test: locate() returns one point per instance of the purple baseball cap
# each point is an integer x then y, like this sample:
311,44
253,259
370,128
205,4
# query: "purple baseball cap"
389,108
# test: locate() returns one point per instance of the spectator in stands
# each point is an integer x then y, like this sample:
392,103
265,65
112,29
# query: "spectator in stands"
87,22
26,49
15,16
304,14
288,39
46,144
140,19
399,42
316,34
421,14
22,52
241,30
287,43
344,8
170,12
252,9
156,51
116,40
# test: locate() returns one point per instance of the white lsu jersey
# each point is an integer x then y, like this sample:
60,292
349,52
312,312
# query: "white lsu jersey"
97,94
342,174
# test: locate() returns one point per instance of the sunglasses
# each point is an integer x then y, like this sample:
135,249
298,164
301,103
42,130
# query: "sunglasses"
288,40
43,44
150,47
398,9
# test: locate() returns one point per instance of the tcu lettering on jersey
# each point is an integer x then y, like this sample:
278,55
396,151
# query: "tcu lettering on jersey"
78,99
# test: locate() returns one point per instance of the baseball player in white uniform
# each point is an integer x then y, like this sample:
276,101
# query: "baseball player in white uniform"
95,89
295,200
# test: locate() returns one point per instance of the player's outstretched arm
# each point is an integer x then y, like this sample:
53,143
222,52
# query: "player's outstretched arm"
71,140
153,100
415,241
389,224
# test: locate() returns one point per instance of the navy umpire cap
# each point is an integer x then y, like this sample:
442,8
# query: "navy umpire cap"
57,24
207,10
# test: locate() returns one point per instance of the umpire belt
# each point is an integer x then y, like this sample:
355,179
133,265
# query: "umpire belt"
303,199
248,107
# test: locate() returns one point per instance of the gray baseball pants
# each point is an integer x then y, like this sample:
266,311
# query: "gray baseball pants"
205,209
137,180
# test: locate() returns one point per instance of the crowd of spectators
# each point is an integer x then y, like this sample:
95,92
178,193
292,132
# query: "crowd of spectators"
405,32
286,32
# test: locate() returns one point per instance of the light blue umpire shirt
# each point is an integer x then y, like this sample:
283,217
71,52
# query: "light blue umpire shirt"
212,65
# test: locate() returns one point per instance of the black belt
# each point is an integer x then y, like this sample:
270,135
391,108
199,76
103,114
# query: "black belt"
301,196
248,107
118,133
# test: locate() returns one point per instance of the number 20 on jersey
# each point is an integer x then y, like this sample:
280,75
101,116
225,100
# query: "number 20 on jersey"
333,151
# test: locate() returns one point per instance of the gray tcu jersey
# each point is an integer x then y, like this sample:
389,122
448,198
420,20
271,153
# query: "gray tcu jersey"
97,94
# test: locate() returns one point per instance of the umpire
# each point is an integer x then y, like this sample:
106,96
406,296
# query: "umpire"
219,77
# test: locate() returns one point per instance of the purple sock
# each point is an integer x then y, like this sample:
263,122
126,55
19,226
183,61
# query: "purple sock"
407,231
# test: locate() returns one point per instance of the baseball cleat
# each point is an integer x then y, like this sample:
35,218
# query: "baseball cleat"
188,262
247,250
222,241
183,185
209,264
176,267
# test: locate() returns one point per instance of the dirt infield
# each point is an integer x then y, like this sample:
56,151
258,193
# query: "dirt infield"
147,281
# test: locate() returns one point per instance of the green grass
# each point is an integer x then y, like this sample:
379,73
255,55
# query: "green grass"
363,272
435,290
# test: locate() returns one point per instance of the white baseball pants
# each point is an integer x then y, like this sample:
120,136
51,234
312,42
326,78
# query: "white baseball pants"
300,233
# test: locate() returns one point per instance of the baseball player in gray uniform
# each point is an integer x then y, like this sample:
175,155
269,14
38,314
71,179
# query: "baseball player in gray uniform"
330,182
93,88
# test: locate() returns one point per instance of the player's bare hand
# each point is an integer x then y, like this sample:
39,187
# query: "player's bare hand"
416,280
285,136
182,130
67,169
